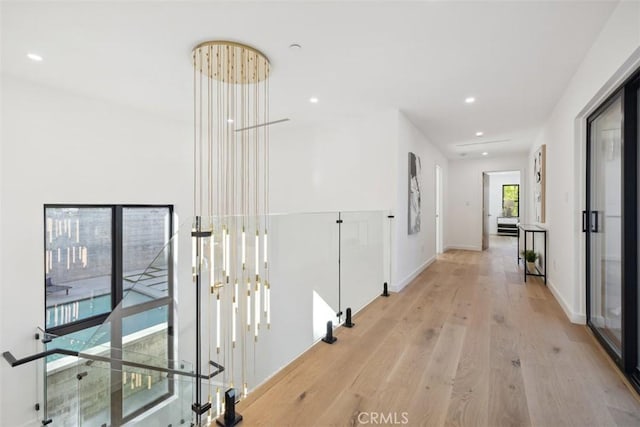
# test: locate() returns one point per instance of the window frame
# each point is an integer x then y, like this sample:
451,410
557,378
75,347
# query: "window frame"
117,295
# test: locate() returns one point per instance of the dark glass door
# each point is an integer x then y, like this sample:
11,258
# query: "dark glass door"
610,221
605,223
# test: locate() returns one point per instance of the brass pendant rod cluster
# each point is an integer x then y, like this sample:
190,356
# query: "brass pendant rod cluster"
231,202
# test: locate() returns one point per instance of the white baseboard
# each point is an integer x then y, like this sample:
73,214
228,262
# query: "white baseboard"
573,317
464,248
398,286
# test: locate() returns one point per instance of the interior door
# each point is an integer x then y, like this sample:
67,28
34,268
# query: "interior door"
603,223
485,211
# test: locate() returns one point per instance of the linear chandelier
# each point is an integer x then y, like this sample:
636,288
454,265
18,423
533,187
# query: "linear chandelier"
231,201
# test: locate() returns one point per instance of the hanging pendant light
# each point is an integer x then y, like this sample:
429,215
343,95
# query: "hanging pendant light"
231,171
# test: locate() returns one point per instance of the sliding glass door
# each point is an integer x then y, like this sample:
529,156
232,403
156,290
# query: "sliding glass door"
605,220
610,222
634,305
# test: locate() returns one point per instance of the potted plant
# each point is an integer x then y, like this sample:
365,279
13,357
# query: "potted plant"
530,257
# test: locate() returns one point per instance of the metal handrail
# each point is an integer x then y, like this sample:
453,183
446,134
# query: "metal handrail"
10,358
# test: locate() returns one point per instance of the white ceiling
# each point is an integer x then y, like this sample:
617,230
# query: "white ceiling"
357,57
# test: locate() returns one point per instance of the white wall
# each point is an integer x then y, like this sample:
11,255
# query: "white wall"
464,194
613,56
496,181
338,166
1,227
61,148
357,165
412,253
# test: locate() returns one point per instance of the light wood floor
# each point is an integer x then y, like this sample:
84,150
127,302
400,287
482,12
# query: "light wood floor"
468,344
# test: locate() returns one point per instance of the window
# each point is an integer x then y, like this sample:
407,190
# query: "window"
99,259
511,200
76,289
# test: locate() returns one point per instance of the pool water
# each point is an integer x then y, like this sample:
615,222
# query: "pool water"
61,314
97,335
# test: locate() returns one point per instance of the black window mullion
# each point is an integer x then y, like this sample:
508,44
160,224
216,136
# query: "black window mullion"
170,313
69,328
117,261
116,321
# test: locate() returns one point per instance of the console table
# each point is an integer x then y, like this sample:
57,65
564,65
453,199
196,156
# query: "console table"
533,230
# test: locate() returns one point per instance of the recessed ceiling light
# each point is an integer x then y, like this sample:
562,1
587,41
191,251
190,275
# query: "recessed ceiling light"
34,57
479,133
485,153
470,100
295,46
229,120
313,100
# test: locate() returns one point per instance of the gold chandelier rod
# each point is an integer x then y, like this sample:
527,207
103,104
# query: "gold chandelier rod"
231,196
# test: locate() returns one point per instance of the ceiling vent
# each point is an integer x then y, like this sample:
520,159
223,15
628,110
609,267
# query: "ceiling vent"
497,141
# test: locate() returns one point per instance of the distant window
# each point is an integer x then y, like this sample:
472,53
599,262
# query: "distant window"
511,200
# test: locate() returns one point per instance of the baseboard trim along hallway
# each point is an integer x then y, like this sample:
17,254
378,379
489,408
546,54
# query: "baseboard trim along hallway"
577,318
397,287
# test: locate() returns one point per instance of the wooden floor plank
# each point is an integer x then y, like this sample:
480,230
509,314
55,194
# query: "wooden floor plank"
431,398
469,401
467,343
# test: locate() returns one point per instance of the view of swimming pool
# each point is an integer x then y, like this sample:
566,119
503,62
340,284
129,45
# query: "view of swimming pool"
97,335
67,312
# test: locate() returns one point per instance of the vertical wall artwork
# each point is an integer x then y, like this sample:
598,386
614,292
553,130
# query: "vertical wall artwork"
415,188
539,180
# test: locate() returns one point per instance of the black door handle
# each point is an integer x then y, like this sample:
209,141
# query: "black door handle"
584,221
594,221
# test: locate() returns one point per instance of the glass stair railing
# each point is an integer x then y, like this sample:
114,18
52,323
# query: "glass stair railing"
141,365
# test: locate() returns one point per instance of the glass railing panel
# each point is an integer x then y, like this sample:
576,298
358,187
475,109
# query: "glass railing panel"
303,278
154,396
114,391
152,330
146,341
172,408
362,255
60,375
61,401
94,391
304,263
301,275
41,379
148,396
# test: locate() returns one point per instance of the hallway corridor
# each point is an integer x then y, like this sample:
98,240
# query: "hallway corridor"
467,343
